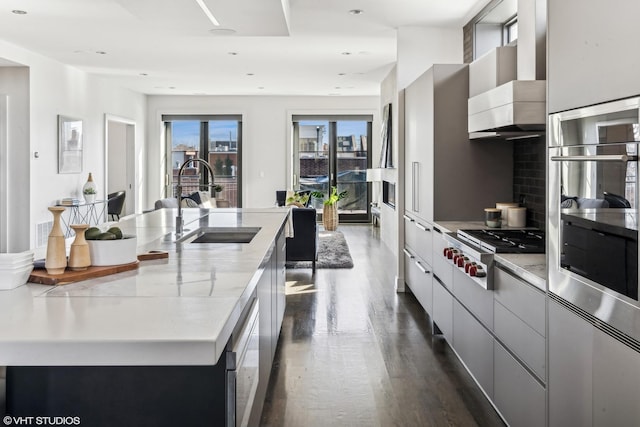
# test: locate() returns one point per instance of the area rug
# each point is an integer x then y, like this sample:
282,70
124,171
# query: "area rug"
333,252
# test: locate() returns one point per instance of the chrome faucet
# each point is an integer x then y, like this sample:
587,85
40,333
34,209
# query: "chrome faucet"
179,221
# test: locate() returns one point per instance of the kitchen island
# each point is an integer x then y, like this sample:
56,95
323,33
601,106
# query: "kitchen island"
153,342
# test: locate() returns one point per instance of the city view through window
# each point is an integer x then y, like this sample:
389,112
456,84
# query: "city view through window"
215,141
335,153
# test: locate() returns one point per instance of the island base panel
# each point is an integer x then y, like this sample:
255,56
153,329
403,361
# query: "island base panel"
121,395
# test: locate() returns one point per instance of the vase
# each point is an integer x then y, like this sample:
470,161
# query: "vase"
56,259
88,186
330,217
79,256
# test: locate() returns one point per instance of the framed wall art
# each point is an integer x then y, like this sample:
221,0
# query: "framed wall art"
69,145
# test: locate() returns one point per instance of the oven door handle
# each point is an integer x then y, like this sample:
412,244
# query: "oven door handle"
596,157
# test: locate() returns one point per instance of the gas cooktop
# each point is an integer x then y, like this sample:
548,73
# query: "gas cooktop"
506,241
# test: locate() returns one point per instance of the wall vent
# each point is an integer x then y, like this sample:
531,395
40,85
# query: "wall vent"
42,233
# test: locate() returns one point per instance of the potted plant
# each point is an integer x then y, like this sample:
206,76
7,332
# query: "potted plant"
299,200
89,194
330,208
217,189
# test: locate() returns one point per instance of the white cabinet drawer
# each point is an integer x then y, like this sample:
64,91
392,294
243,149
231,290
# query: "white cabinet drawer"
442,267
418,276
522,299
521,339
516,393
477,299
474,345
418,236
443,309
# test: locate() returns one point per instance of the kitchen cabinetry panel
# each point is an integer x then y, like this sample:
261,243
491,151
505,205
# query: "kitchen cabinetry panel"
474,345
591,60
616,382
444,177
418,276
443,309
522,299
517,395
442,267
521,339
419,103
570,368
477,299
418,237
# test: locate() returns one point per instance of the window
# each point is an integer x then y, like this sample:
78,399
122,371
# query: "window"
335,151
511,30
216,139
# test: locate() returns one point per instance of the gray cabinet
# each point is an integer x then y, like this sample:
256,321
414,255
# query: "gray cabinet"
443,309
594,379
520,320
271,299
591,52
442,267
419,237
418,276
519,397
444,177
570,367
474,345
475,298
616,382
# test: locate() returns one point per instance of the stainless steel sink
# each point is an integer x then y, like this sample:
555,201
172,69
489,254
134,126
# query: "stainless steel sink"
221,235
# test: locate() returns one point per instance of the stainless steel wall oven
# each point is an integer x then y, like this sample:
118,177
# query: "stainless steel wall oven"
593,211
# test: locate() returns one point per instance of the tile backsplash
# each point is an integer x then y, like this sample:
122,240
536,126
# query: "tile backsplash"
529,178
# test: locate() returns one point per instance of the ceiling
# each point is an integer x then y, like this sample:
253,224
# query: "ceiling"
261,47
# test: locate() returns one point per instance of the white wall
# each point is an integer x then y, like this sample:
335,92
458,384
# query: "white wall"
266,136
388,216
53,89
421,47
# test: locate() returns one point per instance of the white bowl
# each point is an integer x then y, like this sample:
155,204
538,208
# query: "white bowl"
17,266
13,279
13,259
113,252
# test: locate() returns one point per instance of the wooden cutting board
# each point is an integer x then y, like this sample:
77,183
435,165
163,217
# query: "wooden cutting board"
40,275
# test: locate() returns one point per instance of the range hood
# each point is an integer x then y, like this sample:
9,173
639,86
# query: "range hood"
513,110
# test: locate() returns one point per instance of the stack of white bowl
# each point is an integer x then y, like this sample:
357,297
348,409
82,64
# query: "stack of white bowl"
15,269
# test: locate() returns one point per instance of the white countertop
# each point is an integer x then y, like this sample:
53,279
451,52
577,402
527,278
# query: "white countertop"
176,311
530,267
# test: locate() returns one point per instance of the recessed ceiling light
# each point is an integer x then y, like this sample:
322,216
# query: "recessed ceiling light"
342,74
250,74
356,11
19,12
144,74
346,53
337,87
207,12
222,31
172,87
233,53
101,52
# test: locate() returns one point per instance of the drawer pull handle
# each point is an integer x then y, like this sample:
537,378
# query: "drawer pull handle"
408,218
422,227
421,268
409,254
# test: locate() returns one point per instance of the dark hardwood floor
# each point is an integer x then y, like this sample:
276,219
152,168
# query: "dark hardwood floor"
354,352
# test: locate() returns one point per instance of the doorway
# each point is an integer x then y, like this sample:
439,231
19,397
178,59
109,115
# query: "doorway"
334,151
120,134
